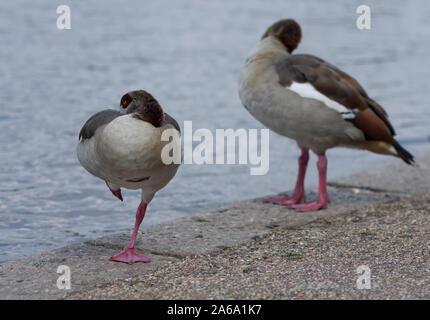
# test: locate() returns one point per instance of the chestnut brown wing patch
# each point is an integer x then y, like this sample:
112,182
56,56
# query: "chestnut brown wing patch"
337,85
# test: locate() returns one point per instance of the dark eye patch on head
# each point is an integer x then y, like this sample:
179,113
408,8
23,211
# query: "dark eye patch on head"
125,100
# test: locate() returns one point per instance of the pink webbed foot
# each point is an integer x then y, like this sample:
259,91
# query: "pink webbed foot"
313,206
296,198
116,193
299,191
323,199
130,256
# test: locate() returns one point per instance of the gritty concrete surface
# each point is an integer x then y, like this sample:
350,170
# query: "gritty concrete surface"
397,178
209,233
316,261
36,277
235,224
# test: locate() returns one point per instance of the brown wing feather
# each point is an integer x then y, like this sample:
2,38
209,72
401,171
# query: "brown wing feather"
381,113
337,85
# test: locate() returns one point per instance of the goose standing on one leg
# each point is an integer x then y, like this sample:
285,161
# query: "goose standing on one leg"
311,101
124,149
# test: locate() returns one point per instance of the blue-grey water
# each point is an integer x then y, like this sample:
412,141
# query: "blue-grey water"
188,55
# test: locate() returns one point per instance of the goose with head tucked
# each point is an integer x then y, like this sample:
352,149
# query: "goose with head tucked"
124,148
305,98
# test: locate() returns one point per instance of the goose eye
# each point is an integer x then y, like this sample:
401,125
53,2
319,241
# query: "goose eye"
125,101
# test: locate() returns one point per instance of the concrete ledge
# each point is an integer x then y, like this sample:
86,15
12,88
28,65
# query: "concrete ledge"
35,277
393,178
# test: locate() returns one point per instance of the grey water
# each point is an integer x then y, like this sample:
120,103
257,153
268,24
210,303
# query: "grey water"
188,54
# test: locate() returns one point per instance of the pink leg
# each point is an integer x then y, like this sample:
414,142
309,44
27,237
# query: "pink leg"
116,193
129,255
299,191
323,199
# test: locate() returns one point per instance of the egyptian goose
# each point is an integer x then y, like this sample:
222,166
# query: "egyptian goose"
307,99
124,149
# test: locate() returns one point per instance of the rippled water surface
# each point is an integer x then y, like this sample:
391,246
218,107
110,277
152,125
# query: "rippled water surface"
188,54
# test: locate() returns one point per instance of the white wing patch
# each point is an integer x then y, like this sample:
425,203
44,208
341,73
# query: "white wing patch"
306,90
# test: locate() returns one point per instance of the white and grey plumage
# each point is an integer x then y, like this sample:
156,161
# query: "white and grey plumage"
307,99
124,149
